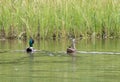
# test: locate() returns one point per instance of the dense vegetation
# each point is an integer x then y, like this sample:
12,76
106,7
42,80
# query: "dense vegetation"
59,18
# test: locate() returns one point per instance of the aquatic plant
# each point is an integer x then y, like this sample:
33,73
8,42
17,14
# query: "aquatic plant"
61,18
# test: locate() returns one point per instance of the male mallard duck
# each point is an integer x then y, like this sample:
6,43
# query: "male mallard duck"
31,42
71,48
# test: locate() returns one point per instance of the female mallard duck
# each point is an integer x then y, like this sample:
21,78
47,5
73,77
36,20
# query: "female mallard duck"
71,48
31,42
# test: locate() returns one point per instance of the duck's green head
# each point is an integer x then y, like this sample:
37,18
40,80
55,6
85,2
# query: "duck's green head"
31,42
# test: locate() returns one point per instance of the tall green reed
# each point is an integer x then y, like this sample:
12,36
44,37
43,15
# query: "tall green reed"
61,17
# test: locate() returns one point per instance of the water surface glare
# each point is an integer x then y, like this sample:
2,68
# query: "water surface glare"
94,61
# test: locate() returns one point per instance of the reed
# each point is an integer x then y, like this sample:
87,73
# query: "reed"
61,18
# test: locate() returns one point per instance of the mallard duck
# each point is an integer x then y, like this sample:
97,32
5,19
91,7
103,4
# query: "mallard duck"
30,48
71,49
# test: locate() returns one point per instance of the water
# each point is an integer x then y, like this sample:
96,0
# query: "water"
95,61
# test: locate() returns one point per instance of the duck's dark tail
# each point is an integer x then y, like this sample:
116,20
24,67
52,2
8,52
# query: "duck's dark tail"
28,50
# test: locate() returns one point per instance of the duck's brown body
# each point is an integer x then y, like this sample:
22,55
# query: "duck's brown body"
72,48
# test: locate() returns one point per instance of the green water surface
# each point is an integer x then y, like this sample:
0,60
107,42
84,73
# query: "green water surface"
52,64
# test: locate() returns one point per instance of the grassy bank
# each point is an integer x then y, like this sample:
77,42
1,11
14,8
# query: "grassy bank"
60,18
